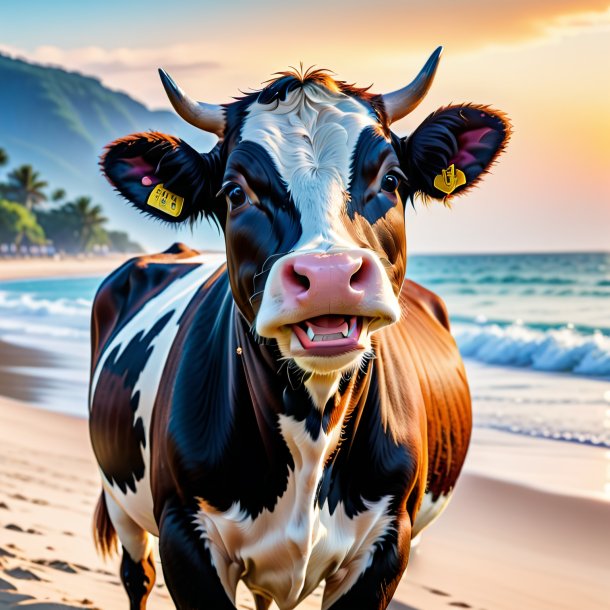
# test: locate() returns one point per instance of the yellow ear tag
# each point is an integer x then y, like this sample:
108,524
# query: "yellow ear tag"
449,179
166,201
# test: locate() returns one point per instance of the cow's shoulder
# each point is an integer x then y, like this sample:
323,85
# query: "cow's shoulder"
413,293
124,292
432,352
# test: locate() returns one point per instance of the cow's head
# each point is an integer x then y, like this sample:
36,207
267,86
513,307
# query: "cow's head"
309,185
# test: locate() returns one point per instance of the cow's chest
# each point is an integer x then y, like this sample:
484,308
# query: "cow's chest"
286,552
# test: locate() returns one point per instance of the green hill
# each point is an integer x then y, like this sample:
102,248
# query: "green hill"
59,122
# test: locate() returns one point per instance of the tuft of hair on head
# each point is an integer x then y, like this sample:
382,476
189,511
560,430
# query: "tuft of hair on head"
285,81
104,534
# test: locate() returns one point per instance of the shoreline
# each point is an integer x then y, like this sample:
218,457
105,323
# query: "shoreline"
68,266
47,268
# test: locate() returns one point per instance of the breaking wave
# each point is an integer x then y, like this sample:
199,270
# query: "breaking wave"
30,305
554,350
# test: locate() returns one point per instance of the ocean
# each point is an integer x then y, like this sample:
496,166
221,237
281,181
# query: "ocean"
534,330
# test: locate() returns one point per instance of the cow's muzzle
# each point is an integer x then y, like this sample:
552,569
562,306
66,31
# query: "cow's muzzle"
326,304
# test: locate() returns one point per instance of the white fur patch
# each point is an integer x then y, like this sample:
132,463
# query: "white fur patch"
428,512
311,137
139,505
286,552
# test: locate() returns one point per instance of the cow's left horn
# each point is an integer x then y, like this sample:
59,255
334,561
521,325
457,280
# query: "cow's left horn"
209,117
399,103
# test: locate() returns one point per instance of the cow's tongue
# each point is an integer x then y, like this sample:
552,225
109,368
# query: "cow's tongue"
329,332
328,325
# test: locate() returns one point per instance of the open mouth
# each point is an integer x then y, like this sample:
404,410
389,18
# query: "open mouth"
330,335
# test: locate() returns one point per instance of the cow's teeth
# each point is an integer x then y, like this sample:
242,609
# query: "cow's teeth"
352,329
310,333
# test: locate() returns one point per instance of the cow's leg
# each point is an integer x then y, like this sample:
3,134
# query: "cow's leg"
374,588
189,574
137,565
261,602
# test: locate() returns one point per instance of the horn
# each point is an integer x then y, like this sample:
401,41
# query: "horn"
399,103
209,117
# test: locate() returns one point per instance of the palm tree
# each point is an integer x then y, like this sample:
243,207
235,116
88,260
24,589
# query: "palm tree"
58,195
25,186
90,219
3,157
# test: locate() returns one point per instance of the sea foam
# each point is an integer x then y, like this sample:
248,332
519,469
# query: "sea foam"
557,350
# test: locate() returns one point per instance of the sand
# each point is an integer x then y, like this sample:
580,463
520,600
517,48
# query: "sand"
528,527
499,545
69,266
83,266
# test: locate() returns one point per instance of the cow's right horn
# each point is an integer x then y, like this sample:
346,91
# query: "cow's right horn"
209,117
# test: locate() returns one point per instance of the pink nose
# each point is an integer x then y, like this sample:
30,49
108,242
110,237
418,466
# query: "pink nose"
337,281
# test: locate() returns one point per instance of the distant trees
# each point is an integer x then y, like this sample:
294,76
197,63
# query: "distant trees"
58,195
18,225
25,186
89,222
78,225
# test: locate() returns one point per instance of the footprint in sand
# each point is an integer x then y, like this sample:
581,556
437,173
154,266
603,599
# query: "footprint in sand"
16,528
57,564
5,553
445,594
22,574
51,606
5,585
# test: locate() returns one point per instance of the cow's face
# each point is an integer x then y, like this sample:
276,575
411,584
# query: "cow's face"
309,184
315,223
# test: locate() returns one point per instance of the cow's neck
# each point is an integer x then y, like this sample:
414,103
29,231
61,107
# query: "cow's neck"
277,388
321,388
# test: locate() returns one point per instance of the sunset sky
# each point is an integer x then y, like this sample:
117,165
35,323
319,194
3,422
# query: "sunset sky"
546,64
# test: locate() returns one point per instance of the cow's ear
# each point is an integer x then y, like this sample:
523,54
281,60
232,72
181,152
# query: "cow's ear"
162,176
452,149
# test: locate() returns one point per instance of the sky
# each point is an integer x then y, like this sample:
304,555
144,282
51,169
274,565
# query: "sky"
545,63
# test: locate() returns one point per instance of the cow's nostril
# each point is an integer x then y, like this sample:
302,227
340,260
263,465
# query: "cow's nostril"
360,277
295,281
301,280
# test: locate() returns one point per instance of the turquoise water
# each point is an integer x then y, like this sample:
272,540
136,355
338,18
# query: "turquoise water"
545,316
548,312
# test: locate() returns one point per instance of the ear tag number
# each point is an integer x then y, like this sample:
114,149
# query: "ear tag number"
166,201
449,179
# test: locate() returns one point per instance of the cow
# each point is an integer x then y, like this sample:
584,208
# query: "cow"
297,413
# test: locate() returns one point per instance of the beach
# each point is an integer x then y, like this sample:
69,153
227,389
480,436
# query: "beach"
72,266
528,526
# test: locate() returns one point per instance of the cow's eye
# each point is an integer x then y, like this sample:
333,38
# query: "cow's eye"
236,196
390,183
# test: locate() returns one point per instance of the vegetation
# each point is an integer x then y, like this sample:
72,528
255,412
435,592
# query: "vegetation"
24,186
74,226
58,195
18,225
